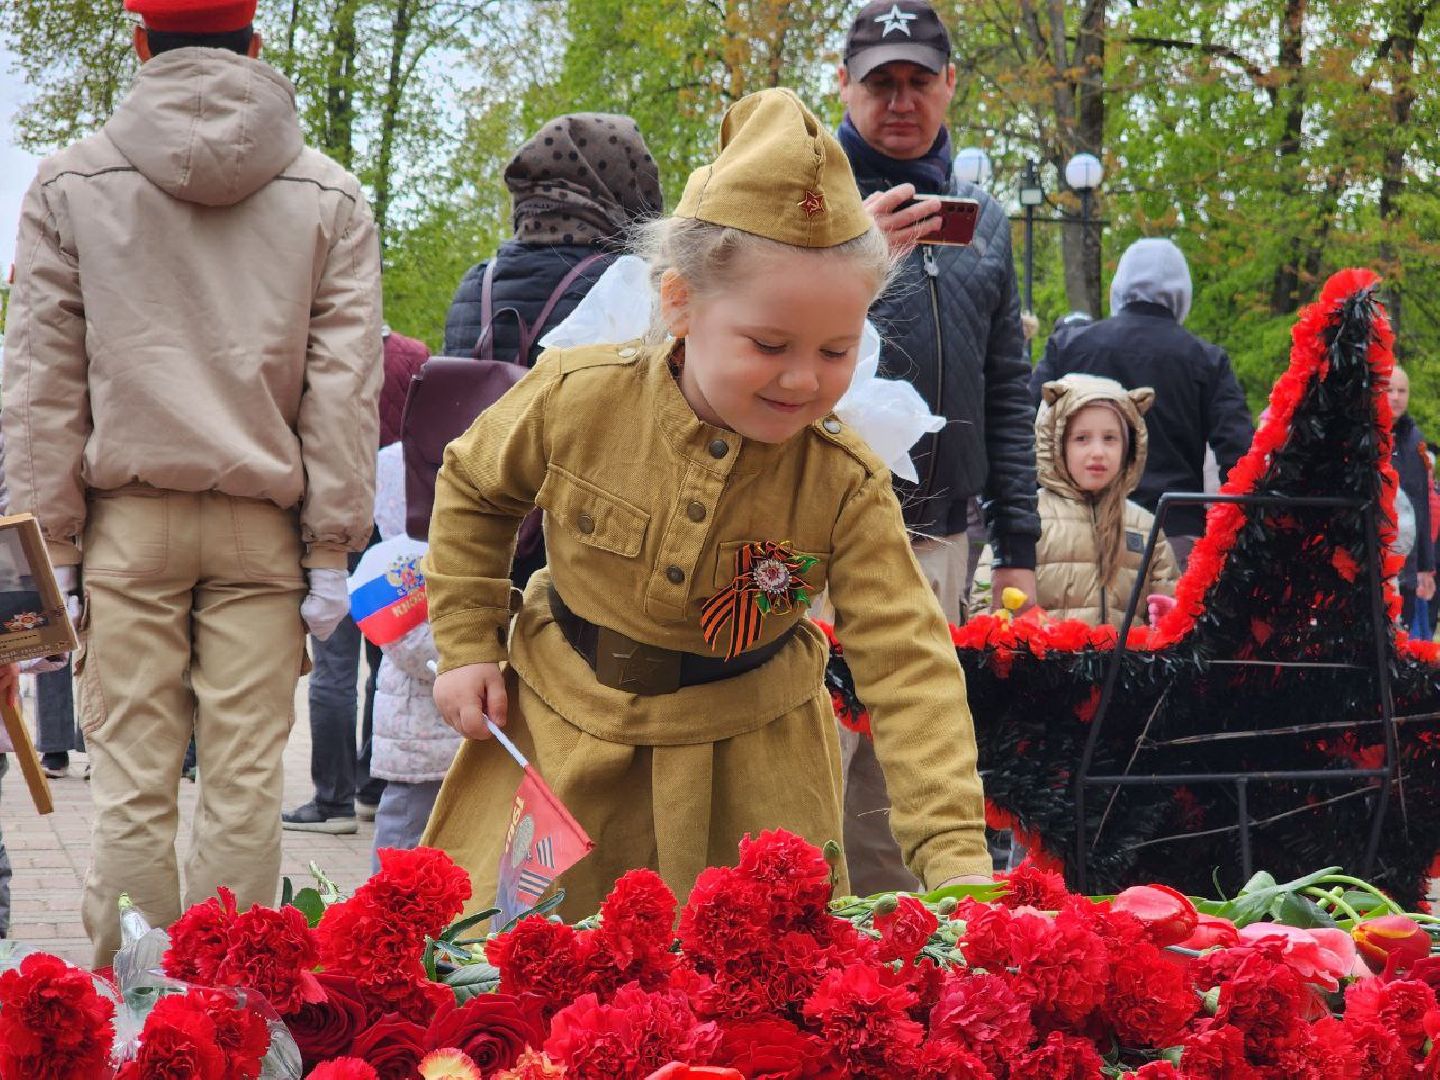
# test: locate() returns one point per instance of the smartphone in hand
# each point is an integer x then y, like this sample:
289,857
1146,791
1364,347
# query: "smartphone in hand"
957,221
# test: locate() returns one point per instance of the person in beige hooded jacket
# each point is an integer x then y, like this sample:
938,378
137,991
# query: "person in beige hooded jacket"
1092,538
191,409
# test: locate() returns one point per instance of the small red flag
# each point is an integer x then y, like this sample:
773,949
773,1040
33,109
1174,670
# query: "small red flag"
542,842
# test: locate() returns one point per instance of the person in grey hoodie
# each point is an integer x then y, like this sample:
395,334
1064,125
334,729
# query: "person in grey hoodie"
191,386
1198,401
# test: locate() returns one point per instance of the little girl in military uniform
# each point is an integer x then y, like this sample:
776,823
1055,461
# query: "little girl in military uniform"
698,491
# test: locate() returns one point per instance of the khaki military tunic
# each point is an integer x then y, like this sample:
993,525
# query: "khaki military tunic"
645,509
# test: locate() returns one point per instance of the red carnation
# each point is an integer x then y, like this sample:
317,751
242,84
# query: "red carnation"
492,1029
54,1025
724,916
1029,886
1400,1007
772,1050
986,943
178,1042
1379,1051
363,938
241,1034
636,931
1150,1000
1266,1000
326,1029
793,869
865,1022
199,939
946,1059
537,957
349,1068
1157,1070
1060,1057
1062,964
393,1045
422,887
272,952
905,930
1216,1052
637,1033
983,1013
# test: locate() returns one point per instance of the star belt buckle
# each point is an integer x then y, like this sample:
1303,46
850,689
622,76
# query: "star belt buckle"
633,667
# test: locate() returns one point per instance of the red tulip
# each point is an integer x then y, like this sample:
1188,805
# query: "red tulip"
1169,916
1391,943
1210,931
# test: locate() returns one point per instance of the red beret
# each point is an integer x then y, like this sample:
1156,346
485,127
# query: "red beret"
194,16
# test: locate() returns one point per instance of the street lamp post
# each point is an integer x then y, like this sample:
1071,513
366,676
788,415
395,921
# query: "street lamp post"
972,165
1083,173
1031,196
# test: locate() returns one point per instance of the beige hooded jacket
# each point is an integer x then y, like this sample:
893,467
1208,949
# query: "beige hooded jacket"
196,308
1067,562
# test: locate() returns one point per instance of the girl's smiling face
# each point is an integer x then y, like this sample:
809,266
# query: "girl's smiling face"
773,350
1094,447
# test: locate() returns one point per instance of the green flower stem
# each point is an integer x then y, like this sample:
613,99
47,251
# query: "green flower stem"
1365,886
1336,898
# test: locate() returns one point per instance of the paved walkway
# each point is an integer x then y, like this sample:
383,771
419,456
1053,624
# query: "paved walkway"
50,853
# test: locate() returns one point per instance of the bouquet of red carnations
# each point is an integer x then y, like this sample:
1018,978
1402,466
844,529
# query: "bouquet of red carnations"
761,974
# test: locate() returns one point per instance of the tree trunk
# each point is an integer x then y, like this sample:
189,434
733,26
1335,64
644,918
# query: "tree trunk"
1288,95
1411,20
390,113
340,85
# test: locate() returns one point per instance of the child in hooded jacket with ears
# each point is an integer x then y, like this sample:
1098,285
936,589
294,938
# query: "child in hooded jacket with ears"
1089,455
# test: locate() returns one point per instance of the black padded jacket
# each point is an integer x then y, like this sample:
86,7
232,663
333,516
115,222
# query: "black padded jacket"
951,326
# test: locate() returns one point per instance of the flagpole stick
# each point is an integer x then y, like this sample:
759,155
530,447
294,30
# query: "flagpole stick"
500,736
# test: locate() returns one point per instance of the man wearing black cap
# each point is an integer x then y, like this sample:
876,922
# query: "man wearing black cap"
951,326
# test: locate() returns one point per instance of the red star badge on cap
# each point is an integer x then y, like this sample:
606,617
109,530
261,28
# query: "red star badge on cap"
813,204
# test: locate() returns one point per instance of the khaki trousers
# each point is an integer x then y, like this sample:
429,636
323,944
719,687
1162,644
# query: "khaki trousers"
191,624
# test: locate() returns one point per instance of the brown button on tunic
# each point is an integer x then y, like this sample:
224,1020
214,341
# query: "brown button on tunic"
674,781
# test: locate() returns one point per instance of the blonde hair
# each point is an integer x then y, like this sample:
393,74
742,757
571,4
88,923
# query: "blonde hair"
1109,501
710,257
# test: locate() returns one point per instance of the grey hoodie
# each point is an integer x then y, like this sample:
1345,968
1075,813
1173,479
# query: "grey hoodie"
1152,271
196,308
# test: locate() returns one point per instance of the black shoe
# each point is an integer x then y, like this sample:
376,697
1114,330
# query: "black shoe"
55,765
310,818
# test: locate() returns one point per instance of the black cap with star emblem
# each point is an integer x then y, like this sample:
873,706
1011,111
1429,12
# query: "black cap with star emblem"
889,30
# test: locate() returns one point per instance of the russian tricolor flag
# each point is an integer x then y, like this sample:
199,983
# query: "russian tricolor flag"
387,590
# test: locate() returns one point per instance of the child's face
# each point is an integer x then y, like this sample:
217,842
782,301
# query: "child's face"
773,352
1094,447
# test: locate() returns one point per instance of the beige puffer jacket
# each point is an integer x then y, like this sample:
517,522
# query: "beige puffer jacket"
196,308
1067,569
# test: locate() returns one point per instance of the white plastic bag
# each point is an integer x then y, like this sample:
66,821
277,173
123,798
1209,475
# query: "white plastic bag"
617,308
889,414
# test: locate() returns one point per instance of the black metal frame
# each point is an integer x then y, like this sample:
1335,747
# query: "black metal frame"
1242,780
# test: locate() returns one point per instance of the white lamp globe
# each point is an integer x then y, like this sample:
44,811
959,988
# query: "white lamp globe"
1083,172
972,165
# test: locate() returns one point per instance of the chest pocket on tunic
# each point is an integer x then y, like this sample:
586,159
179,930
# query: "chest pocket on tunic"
591,516
725,566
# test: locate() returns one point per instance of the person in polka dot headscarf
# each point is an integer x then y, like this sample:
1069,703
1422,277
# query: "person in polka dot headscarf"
576,187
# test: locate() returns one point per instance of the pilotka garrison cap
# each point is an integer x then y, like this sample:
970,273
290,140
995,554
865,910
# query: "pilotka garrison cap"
890,30
194,16
780,175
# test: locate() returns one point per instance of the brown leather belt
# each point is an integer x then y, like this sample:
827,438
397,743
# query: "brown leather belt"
622,663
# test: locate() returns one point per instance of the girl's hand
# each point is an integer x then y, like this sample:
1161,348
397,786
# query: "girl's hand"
467,695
